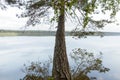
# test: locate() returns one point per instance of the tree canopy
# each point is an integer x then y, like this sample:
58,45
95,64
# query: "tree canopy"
80,10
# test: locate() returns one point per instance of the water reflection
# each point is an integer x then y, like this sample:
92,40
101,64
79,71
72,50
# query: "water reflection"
15,51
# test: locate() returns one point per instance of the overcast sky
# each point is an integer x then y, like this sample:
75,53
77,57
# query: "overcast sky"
8,20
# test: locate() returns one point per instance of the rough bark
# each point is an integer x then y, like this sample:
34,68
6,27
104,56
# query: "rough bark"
61,69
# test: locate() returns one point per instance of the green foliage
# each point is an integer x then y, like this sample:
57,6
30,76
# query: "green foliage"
37,9
82,34
112,5
38,71
84,63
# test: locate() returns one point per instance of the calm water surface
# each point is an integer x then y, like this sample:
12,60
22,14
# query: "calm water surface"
16,51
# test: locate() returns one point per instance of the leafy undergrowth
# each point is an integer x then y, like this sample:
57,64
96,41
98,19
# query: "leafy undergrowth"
84,63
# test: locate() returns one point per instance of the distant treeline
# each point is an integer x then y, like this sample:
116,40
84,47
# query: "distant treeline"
52,33
29,33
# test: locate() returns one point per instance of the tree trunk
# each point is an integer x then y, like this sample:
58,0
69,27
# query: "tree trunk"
61,69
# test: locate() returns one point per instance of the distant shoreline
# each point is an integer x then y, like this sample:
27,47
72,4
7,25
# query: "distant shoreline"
48,33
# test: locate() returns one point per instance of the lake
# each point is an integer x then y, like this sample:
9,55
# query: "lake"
16,51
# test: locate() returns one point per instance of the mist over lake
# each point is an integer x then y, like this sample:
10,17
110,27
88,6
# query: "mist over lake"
17,51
